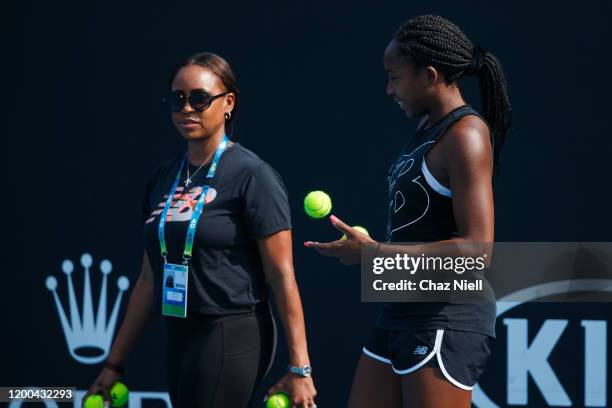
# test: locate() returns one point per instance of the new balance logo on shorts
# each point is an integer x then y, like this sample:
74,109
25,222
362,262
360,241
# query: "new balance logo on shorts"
420,350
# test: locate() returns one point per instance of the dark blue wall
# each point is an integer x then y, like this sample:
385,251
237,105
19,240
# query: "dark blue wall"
84,129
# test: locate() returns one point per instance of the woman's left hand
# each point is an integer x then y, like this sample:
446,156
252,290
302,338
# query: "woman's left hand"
301,390
348,250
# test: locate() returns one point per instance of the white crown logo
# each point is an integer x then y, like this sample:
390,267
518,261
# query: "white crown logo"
84,332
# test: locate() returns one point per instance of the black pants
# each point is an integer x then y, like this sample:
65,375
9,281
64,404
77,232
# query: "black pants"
218,361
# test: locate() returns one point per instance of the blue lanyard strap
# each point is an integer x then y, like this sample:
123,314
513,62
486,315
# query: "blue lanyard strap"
197,212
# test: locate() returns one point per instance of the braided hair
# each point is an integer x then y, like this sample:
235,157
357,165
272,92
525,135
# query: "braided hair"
435,41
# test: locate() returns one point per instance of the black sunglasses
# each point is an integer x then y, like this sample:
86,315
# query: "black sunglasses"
198,99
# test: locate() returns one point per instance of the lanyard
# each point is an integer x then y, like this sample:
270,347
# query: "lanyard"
198,208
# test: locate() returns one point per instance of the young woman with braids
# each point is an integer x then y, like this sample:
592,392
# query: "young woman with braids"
440,191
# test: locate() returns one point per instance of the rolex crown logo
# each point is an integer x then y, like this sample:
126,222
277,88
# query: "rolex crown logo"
88,338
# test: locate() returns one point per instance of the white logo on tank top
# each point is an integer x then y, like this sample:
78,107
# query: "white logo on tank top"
397,198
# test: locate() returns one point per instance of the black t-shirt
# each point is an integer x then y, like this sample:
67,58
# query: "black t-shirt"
246,200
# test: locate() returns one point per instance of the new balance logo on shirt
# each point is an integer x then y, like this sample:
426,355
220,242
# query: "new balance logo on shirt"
420,350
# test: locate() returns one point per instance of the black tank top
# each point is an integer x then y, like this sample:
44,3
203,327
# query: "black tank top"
420,210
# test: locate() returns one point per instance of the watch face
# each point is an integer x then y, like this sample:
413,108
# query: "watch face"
303,371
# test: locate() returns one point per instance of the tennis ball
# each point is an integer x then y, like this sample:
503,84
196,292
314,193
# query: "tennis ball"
278,400
119,395
358,228
317,204
94,401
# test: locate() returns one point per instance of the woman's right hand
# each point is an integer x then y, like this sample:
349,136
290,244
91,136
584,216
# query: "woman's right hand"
103,384
137,316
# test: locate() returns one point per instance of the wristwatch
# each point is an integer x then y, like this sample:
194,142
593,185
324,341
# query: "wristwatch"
303,371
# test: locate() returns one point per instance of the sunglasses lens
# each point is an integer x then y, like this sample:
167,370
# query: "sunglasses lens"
199,100
175,101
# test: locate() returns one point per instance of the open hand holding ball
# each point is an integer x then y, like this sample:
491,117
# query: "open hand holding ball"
348,248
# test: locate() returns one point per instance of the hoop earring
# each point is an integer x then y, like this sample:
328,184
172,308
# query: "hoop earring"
228,115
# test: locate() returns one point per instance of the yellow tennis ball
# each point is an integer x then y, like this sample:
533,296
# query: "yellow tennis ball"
317,204
358,228
94,401
278,400
119,395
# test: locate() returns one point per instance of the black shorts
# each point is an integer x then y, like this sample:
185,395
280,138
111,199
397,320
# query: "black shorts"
460,355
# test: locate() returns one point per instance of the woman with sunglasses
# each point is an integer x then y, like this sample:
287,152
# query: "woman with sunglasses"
217,231
431,354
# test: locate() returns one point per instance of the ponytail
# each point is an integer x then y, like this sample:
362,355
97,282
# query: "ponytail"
433,40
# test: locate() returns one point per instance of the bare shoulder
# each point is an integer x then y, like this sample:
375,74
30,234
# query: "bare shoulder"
468,139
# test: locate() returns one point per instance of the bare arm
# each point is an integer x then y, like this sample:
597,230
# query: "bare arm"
467,158
277,257
138,315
